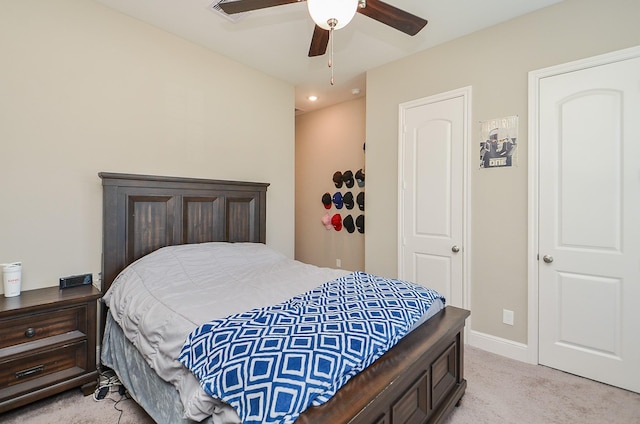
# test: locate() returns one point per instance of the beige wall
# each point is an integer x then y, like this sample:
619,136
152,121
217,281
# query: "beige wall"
495,62
327,141
85,89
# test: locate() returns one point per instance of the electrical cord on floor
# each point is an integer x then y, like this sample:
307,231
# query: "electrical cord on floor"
107,383
123,397
110,383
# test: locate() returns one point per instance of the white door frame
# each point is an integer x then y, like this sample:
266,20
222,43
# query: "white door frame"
465,93
533,188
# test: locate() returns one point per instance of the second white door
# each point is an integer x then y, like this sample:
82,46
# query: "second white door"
589,222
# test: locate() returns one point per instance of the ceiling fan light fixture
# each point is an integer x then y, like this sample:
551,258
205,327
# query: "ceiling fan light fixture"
327,12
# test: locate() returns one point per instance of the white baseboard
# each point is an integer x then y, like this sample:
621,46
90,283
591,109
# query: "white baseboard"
499,346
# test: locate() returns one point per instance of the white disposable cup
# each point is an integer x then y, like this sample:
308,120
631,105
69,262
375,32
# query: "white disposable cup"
12,278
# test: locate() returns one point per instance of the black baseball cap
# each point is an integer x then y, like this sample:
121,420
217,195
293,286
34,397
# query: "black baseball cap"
348,200
326,200
347,222
360,223
347,177
337,179
360,200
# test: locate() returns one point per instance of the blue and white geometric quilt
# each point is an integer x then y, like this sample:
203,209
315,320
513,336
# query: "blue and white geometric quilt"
271,363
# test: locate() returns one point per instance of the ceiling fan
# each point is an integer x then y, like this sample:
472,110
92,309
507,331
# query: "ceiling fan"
325,15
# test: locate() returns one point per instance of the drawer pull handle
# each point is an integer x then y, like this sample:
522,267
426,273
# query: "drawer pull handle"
30,371
30,332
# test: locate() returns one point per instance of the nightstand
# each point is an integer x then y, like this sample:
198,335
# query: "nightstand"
47,343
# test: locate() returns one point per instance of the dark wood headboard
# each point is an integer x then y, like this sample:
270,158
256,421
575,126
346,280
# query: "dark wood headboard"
142,213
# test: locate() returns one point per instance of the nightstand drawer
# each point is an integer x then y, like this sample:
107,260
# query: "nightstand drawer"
35,327
30,367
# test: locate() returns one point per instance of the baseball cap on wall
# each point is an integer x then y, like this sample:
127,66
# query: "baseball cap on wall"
360,200
347,199
348,224
360,223
360,177
347,177
337,200
336,221
337,179
326,221
326,200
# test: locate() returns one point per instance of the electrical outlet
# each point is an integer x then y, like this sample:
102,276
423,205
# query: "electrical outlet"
507,317
338,263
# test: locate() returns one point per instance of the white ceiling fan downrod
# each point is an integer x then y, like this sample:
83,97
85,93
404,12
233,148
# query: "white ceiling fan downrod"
332,24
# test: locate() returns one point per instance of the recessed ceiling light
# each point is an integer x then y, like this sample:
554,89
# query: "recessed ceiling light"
355,91
313,98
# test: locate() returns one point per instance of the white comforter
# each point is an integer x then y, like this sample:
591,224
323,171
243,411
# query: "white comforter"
162,297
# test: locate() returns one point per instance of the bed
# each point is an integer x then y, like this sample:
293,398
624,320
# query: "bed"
419,380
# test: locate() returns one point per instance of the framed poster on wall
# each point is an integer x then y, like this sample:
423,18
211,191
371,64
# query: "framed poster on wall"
499,142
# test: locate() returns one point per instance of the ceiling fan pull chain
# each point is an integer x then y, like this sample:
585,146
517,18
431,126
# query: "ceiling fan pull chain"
331,58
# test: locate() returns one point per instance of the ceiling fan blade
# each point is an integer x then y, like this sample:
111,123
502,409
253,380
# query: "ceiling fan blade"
239,6
319,42
394,17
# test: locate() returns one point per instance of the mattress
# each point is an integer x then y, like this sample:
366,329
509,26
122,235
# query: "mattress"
159,299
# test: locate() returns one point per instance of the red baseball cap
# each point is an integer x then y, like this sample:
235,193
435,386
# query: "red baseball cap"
336,221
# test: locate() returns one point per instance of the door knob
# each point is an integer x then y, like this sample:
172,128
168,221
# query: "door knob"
455,249
547,258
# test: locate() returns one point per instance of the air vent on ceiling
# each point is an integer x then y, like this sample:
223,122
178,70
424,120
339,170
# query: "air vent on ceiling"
215,6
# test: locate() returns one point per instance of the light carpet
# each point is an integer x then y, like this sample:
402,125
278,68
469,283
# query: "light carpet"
500,390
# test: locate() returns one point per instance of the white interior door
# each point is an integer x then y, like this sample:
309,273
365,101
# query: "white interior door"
431,188
589,222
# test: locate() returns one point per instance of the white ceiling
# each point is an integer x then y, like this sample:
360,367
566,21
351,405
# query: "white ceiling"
276,40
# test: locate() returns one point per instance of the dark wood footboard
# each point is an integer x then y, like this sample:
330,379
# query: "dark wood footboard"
419,381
